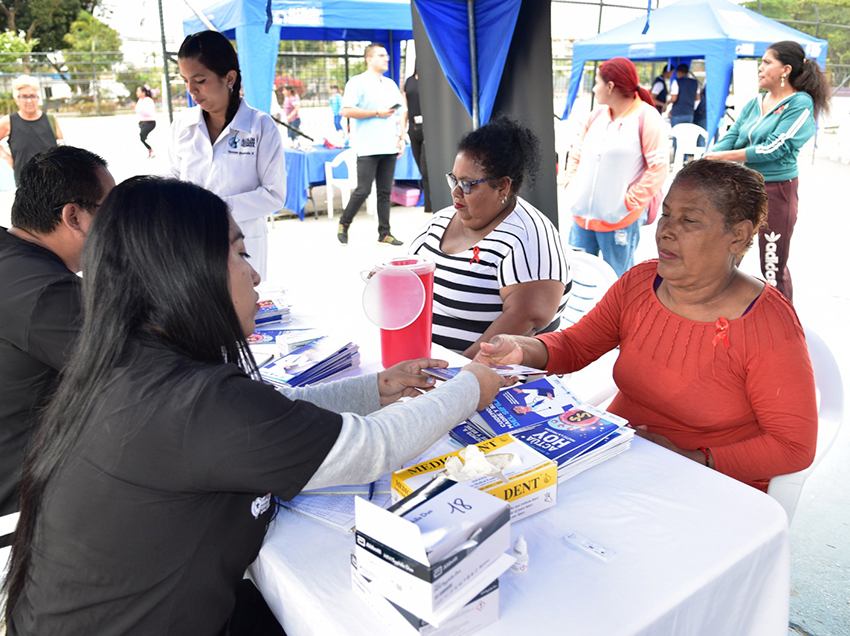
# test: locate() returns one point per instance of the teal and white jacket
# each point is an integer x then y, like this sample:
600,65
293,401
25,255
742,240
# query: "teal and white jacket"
772,141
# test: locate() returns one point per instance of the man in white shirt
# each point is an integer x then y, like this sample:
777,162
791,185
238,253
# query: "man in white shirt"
374,103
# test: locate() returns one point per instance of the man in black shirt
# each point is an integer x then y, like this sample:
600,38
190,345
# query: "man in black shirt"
59,191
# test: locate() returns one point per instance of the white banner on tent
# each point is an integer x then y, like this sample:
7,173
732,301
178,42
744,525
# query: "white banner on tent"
299,16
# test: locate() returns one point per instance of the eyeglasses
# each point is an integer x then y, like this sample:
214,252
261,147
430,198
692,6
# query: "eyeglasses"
465,186
82,204
32,98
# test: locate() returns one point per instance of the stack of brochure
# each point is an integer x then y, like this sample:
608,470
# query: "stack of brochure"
272,309
312,363
545,415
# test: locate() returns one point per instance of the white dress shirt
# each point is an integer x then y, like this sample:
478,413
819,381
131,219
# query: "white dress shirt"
245,167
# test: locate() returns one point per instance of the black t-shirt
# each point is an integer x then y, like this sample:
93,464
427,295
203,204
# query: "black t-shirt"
411,92
150,523
27,139
39,320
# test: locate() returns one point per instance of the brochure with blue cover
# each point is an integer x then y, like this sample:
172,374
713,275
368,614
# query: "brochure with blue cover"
546,416
524,406
312,363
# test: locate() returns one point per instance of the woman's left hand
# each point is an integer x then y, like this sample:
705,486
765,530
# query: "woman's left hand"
406,379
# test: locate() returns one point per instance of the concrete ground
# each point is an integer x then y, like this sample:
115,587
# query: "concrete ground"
322,276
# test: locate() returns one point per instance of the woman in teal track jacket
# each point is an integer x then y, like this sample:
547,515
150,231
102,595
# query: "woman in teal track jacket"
768,136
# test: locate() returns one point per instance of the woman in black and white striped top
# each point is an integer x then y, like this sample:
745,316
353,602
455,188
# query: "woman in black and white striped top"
501,267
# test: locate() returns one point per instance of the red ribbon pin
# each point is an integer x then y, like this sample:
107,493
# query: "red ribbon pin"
721,332
475,251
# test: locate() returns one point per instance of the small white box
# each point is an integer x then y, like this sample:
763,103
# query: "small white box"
481,611
391,550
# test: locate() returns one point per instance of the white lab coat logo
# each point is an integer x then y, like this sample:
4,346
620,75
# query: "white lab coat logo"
260,505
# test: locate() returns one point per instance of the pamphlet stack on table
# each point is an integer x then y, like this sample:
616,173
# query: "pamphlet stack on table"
272,309
545,415
314,362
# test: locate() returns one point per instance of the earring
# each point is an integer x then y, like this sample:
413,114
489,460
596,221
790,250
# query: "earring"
782,82
230,87
504,200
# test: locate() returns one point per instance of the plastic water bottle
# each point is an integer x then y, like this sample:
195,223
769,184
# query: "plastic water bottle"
520,553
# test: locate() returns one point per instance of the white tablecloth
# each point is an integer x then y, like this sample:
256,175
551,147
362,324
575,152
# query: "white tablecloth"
696,553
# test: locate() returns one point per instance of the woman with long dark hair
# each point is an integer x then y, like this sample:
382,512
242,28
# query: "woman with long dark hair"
616,167
149,485
768,136
146,111
225,145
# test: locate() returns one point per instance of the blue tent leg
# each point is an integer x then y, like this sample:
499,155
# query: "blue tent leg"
257,52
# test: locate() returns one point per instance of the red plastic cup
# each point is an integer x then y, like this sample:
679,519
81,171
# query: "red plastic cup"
399,298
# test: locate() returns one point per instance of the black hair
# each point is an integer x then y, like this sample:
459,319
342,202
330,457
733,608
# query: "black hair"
504,148
335,86
736,191
683,68
146,90
52,178
156,263
215,51
805,74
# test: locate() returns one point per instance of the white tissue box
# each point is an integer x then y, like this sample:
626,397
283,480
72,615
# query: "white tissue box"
392,557
481,611
532,478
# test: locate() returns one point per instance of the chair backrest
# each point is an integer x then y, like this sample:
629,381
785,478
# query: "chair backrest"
592,277
349,158
786,489
687,136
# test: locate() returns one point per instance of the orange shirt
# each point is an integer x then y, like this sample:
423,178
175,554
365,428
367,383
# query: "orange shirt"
751,402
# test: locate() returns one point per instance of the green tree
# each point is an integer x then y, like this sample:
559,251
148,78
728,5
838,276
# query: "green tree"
86,44
46,21
834,12
13,49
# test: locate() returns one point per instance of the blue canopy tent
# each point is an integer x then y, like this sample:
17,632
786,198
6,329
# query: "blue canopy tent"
715,30
258,26
471,47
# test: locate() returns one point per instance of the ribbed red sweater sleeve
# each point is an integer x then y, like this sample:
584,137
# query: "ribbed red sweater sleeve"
752,403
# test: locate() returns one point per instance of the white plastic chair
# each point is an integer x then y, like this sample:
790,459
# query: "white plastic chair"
592,277
786,489
686,136
346,185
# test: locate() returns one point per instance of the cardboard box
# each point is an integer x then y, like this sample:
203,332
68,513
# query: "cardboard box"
481,611
405,195
391,549
532,478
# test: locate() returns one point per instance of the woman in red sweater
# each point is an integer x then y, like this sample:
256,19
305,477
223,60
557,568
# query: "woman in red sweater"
713,363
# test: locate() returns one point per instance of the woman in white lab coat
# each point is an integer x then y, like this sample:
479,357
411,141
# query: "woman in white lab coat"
225,145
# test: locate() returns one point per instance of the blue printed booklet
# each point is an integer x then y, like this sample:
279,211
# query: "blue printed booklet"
524,406
272,310
505,370
312,363
269,336
546,416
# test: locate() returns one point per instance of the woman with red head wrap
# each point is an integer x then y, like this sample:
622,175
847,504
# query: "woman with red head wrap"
616,167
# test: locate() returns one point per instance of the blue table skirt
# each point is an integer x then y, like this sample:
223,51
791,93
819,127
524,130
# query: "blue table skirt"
307,169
